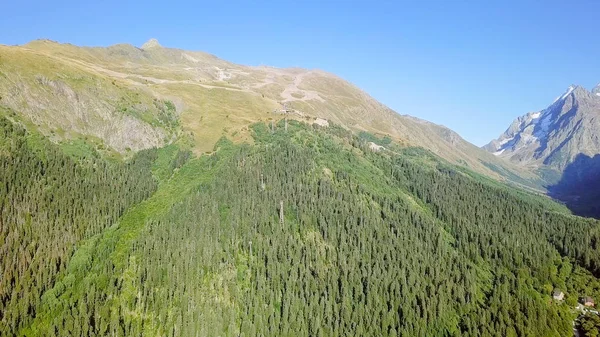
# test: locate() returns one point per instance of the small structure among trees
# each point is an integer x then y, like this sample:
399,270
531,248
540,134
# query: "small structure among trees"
558,295
587,301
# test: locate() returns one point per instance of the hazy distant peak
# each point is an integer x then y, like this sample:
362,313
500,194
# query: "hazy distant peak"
556,135
152,43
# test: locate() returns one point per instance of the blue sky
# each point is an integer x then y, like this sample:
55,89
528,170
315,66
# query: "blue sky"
470,65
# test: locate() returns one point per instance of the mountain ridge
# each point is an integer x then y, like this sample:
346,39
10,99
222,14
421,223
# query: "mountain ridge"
214,97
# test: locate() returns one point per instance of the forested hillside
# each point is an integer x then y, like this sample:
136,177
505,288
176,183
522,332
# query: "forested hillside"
308,231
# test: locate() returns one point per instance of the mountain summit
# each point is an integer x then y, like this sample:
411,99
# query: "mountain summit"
596,90
556,135
561,143
152,43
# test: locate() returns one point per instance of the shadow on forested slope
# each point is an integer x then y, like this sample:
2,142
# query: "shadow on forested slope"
579,186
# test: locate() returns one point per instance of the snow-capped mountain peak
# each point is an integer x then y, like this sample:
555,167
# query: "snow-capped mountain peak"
562,145
567,93
545,136
596,90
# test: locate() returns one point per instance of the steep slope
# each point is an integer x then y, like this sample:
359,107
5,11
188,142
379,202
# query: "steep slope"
49,203
596,90
556,135
306,232
66,101
214,97
561,143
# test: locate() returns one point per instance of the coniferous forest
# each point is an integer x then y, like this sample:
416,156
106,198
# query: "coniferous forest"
305,232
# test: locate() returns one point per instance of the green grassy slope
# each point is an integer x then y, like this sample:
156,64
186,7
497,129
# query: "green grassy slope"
110,94
66,101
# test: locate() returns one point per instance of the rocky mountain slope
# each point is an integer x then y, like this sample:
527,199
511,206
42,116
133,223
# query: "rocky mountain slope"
128,98
559,142
556,135
66,101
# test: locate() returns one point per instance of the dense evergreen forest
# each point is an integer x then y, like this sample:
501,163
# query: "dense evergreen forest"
305,232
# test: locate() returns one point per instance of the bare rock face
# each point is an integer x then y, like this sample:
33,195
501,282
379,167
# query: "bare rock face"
596,90
561,142
150,44
555,136
375,147
68,102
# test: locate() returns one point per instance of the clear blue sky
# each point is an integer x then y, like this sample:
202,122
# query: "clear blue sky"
470,65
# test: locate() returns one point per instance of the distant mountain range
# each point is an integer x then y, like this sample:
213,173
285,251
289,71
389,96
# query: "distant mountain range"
562,144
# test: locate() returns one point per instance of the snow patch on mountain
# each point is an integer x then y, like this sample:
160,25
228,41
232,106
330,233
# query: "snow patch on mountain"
563,96
569,91
504,141
529,129
544,125
556,135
